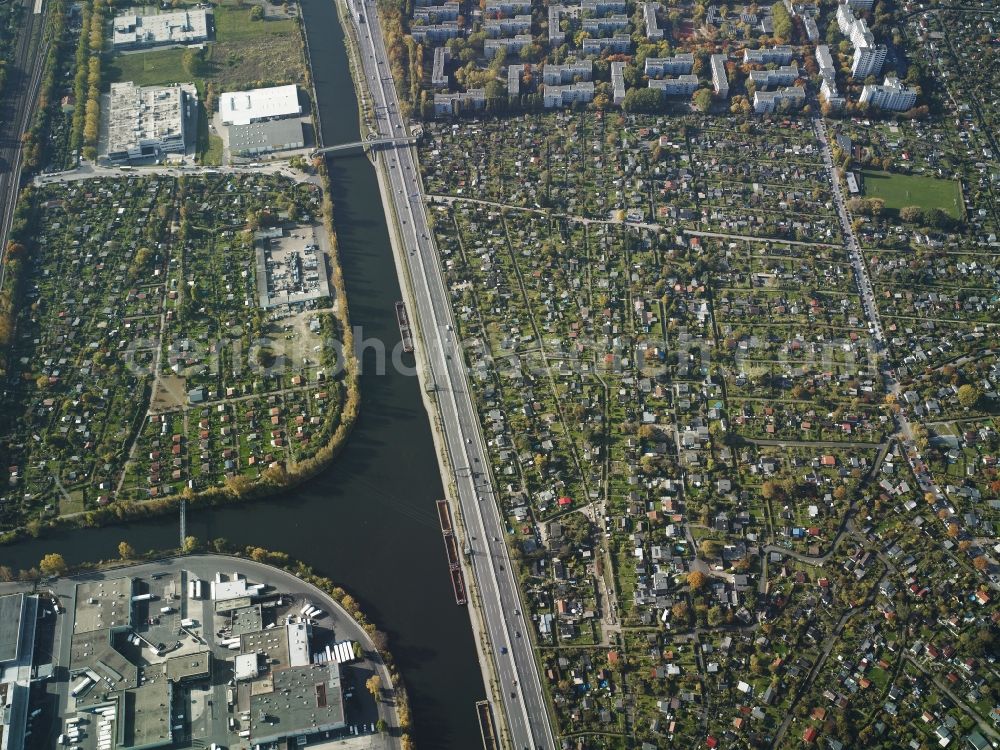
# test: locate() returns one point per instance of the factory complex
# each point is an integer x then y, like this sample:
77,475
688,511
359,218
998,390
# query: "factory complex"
173,659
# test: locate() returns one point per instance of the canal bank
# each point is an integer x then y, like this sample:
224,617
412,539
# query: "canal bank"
369,520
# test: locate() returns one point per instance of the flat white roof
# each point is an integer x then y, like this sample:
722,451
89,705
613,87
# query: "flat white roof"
246,666
223,590
298,644
245,107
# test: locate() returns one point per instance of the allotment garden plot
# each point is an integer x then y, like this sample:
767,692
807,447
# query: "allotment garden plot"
689,172
612,367
144,365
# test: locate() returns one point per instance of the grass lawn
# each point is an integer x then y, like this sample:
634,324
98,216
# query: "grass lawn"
899,191
209,145
71,502
154,68
233,24
244,54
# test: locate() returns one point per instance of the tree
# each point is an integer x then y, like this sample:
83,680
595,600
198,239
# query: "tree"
52,564
190,544
702,99
980,563
642,100
680,611
381,640
911,214
782,22
968,395
374,685
771,490
192,61
696,580
710,547
256,13
125,551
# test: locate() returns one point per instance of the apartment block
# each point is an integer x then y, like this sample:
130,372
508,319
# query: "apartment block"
563,96
677,65
606,24
720,81
653,31
508,45
679,86
791,97
506,27
560,75
618,81
767,79
892,95
456,103
780,55
618,43
439,78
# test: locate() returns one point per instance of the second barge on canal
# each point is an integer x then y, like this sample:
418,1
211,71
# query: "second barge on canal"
451,547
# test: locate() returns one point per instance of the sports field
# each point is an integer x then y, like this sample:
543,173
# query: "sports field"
901,190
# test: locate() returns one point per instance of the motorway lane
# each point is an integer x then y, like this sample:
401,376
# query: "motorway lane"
520,685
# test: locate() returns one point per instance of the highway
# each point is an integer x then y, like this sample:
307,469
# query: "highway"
524,703
24,74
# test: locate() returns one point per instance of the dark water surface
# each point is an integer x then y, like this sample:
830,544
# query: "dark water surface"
369,521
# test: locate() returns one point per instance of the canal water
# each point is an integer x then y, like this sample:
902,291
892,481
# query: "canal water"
369,521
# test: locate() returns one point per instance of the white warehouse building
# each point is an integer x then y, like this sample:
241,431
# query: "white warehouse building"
257,105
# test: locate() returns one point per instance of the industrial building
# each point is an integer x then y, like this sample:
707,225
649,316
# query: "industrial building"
291,267
266,137
257,105
149,121
892,95
303,700
18,617
179,27
142,650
